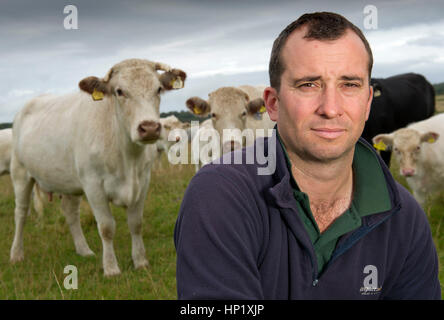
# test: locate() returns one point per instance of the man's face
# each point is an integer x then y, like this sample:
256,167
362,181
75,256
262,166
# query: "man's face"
324,98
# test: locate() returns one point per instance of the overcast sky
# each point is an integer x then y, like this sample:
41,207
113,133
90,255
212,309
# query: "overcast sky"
218,43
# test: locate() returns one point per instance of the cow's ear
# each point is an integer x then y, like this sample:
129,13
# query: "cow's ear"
256,106
377,90
173,79
96,87
383,142
429,137
198,106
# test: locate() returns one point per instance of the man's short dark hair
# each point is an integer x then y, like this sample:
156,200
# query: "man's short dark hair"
322,26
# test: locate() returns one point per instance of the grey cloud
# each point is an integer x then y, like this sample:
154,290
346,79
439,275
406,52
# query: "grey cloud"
37,54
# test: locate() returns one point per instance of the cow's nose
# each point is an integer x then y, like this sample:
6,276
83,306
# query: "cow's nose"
149,130
408,172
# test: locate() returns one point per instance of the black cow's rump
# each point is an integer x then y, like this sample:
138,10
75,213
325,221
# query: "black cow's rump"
397,102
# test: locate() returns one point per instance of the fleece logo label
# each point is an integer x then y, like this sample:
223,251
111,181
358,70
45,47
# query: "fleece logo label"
370,283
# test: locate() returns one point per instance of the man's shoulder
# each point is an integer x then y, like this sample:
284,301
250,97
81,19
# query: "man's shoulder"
241,164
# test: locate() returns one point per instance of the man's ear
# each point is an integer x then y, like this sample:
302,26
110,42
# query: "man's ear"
174,79
271,100
96,87
383,142
369,103
256,106
429,137
198,106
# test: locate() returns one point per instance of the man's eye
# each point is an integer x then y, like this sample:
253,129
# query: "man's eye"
308,85
351,85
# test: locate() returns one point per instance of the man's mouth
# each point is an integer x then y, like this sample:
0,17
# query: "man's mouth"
329,133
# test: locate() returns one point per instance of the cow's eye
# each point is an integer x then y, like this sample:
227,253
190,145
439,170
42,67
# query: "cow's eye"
119,92
243,114
418,148
213,115
159,90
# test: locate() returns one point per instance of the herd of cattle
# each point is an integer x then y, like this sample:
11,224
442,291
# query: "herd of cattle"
105,138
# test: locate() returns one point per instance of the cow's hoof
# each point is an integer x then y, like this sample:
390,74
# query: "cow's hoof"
86,252
17,257
111,272
142,264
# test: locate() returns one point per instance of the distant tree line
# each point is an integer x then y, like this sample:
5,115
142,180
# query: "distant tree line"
439,88
5,125
183,116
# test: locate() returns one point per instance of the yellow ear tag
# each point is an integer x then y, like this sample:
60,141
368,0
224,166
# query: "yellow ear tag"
380,146
262,109
197,110
176,83
431,140
97,95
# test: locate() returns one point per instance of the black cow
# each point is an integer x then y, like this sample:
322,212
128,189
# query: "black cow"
397,102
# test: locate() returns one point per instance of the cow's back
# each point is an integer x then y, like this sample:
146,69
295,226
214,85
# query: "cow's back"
253,91
435,123
399,101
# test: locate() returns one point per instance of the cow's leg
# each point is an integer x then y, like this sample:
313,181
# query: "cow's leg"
37,199
71,209
106,226
135,215
23,184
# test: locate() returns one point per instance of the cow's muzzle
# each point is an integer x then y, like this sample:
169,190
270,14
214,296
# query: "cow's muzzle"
149,131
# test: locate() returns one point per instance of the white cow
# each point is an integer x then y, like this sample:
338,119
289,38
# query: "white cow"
100,142
5,161
5,150
230,108
165,141
420,153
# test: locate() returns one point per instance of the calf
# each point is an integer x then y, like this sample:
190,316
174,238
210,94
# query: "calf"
99,142
420,153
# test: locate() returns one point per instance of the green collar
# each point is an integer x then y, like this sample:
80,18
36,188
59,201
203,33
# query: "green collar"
370,194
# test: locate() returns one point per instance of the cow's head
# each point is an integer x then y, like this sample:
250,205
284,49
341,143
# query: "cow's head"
406,144
134,86
170,124
229,108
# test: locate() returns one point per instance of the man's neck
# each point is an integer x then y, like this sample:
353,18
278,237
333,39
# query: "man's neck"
329,186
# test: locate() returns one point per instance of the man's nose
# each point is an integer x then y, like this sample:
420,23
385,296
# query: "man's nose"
330,104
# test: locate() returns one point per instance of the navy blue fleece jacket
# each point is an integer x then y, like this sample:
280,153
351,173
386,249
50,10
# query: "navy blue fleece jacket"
239,236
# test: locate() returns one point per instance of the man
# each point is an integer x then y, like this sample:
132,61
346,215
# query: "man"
330,222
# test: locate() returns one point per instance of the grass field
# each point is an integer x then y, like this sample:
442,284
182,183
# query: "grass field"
440,103
49,246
